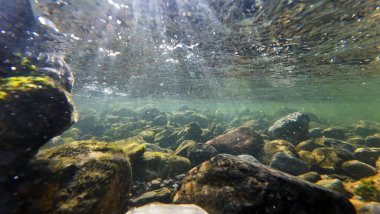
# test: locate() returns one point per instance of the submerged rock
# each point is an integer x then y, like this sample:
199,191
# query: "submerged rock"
200,153
311,176
272,147
33,110
373,140
159,165
162,195
238,141
357,169
228,184
336,133
289,164
333,184
81,177
293,127
367,155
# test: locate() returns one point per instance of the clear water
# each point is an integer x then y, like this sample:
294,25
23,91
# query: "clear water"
321,57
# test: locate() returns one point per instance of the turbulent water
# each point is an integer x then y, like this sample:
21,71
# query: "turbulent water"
162,86
257,51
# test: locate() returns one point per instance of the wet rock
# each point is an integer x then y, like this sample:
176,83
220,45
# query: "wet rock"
310,176
148,135
333,184
201,119
90,124
336,133
293,127
327,159
367,155
33,110
373,141
272,147
336,144
184,147
160,120
167,138
238,141
191,132
162,195
315,132
357,169
158,208
81,177
150,113
308,158
249,158
369,208
289,164
366,189
308,145
228,184
159,165
364,128
356,141
200,152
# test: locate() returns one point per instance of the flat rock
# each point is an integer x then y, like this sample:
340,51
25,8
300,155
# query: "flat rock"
228,184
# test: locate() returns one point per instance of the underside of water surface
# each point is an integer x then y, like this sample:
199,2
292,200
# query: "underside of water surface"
235,106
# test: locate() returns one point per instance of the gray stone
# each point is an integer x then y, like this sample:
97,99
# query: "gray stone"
293,127
367,155
357,169
310,176
288,164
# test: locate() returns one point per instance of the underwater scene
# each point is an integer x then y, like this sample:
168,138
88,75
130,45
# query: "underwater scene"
189,106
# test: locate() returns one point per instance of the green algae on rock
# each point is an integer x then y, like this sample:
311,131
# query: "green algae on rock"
33,110
80,177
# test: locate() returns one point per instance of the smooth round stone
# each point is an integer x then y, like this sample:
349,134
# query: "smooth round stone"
289,164
310,176
373,141
157,208
357,169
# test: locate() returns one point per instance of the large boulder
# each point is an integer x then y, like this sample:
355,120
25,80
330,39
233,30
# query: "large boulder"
229,184
33,110
80,177
293,127
238,141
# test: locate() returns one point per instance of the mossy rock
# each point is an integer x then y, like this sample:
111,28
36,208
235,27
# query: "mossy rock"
33,110
81,177
159,165
148,135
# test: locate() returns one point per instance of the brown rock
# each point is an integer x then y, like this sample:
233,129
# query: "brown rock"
238,141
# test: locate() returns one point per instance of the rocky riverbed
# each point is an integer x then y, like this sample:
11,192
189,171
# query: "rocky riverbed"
114,160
